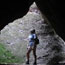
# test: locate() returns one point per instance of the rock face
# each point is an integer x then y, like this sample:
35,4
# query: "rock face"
15,36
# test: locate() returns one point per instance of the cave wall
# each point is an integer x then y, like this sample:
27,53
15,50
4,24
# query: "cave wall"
54,12
11,10
15,37
52,9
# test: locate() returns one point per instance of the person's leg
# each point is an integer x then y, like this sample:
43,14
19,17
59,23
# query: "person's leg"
28,55
34,53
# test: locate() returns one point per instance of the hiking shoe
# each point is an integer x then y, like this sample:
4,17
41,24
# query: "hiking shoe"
34,63
27,62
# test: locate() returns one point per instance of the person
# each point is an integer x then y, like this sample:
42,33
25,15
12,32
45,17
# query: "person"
32,46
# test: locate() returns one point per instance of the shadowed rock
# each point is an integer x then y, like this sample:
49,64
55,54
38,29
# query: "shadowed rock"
51,48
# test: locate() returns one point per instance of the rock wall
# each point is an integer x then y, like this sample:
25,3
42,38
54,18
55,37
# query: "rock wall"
15,37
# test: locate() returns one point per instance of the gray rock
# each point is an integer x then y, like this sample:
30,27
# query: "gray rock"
14,35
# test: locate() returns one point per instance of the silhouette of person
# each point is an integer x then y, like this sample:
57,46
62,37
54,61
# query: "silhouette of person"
32,46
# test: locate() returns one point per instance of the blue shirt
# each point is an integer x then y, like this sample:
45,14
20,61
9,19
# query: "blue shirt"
31,39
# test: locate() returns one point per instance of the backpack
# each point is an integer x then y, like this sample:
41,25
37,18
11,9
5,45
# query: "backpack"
36,41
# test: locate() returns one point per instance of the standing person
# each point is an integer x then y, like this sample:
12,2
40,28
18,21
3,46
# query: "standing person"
32,46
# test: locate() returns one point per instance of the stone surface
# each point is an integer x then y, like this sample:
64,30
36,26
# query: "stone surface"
15,37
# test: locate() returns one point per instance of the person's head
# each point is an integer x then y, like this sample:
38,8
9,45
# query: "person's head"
32,31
